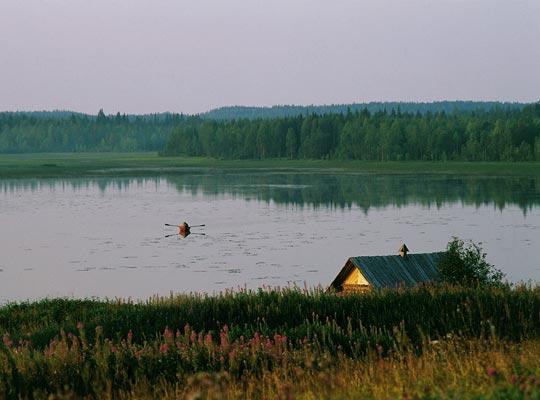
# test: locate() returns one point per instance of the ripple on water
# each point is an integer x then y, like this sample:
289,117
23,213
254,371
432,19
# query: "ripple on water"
234,270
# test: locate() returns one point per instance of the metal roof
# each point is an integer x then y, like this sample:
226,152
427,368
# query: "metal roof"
392,271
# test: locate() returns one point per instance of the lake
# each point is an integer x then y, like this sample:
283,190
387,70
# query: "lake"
105,237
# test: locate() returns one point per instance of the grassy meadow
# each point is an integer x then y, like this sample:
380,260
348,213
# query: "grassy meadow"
427,342
150,164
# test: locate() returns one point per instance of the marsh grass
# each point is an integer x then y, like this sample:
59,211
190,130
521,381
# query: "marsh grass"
150,164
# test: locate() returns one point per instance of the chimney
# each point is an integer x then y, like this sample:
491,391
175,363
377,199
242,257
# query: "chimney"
403,250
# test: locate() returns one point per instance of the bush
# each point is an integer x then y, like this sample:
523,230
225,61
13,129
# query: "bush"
466,265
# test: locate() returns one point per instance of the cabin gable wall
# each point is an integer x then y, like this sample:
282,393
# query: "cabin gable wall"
356,278
355,282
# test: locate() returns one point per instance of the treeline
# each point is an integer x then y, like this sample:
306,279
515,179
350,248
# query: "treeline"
280,111
495,135
64,132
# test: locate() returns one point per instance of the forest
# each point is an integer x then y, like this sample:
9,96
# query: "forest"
279,111
494,134
45,132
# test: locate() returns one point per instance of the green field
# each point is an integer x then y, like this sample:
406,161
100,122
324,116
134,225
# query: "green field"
425,343
150,164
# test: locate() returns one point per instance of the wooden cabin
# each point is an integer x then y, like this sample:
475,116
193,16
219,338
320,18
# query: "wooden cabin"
403,269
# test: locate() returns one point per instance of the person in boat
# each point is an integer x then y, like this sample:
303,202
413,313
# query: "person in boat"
184,229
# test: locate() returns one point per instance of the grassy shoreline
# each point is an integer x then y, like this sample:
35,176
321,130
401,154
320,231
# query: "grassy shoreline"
427,342
150,164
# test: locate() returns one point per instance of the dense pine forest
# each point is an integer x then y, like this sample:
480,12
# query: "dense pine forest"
481,134
46,132
279,111
495,135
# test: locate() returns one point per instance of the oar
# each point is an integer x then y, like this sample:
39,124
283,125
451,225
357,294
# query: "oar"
191,226
194,233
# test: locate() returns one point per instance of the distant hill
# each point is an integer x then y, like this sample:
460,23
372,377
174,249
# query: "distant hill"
56,114
279,111
64,114
241,112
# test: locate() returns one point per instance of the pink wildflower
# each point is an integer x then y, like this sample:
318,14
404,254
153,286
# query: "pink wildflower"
168,334
224,339
163,348
113,349
492,371
80,325
7,341
208,338
193,337
130,336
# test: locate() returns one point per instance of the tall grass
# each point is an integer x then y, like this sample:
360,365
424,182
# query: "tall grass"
271,343
425,311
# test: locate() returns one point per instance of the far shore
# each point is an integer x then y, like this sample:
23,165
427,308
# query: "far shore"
56,165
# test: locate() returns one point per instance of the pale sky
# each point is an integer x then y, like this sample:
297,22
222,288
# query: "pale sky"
142,56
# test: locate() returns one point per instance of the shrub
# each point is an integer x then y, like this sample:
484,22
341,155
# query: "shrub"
466,265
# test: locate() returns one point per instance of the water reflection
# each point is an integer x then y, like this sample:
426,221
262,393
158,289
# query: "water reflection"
330,190
105,236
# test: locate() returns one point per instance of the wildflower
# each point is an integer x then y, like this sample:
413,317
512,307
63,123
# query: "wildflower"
163,348
224,339
7,341
492,372
193,337
113,349
208,338
130,336
168,334
52,346
80,325
225,328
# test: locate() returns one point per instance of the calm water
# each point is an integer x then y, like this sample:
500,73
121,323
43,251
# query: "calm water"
105,237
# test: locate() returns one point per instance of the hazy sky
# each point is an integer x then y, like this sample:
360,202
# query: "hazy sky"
140,56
